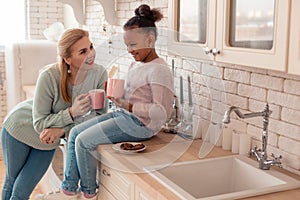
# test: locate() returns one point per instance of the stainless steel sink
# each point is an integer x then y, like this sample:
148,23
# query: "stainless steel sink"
230,177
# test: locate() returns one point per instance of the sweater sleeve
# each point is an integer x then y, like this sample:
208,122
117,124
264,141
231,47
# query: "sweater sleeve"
46,97
162,92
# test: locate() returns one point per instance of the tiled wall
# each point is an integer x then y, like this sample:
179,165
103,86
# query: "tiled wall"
245,87
2,87
42,14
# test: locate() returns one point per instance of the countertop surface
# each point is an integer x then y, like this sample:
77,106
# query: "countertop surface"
165,148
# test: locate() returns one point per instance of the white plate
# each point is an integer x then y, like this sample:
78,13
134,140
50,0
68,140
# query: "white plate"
118,148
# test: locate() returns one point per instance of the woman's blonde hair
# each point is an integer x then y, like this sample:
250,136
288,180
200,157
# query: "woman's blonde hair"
64,49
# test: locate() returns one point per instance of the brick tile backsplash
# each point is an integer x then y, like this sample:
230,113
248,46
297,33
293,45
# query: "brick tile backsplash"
252,92
237,75
230,86
267,82
291,116
292,87
238,101
285,129
212,71
284,99
289,145
258,106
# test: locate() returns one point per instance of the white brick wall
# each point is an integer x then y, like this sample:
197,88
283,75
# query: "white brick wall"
237,75
284,99
268,82
2,87
42,14
252,92
290,116
245,87
291,87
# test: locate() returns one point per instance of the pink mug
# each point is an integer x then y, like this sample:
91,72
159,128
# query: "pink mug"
97,98
115,87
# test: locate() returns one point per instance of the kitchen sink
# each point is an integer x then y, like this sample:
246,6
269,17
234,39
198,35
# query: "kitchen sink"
229,177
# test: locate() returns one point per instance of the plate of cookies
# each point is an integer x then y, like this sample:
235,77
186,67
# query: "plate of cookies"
129,147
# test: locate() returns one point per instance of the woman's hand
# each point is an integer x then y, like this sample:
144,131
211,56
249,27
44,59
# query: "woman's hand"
50,134
80,106
122,103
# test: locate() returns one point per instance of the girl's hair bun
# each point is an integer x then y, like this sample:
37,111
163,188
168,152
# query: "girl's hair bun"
151,14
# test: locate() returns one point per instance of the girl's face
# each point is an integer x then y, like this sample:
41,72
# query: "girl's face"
139,44
83,55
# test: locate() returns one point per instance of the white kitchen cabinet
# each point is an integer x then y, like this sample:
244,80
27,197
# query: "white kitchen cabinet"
192,48
141,194
104,194
117,185
233,39
274,58
294,49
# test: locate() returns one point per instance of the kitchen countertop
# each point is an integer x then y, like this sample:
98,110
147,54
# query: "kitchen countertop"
168,148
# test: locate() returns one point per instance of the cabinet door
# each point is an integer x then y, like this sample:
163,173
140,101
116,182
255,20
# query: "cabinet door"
104,194
116,183
191,28
140,194
253,33
294,50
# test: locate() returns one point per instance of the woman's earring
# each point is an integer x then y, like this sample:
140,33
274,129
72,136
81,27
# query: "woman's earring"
69,71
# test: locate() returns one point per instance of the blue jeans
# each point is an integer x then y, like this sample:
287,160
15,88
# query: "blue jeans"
24,166
114,127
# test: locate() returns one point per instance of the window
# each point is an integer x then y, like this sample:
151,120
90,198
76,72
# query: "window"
192,21
252,24
12,21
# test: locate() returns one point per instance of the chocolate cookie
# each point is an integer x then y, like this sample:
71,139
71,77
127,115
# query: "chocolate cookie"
129,146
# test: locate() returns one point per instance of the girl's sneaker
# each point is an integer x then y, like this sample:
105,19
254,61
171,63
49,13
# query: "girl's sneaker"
57,195
88,196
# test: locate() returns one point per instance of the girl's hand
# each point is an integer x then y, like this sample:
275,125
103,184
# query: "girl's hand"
50,134
122,103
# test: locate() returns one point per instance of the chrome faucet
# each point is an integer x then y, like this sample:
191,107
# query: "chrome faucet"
261,155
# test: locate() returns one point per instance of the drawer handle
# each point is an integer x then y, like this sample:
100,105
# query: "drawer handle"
105,173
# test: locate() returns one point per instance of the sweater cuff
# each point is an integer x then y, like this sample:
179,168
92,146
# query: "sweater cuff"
66,117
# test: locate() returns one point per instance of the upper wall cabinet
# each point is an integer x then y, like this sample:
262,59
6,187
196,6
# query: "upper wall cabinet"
253,33
192,27
294,50
244,32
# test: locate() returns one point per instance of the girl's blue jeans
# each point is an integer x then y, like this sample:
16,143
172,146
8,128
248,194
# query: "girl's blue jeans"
24,167
81,165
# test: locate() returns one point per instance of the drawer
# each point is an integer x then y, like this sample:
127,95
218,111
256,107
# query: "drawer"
104,194
116,183
141,194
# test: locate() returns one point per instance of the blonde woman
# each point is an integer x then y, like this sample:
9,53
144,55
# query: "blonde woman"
32,130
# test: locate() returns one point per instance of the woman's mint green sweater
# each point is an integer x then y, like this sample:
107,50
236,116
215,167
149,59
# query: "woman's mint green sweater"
47,109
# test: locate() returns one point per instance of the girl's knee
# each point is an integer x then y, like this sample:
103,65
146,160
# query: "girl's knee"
79,143
82,144
73,135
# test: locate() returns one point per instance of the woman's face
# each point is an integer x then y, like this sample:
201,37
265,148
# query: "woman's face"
138,44
83,54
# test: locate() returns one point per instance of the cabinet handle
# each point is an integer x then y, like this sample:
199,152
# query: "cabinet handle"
215,51
105,173
207,50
